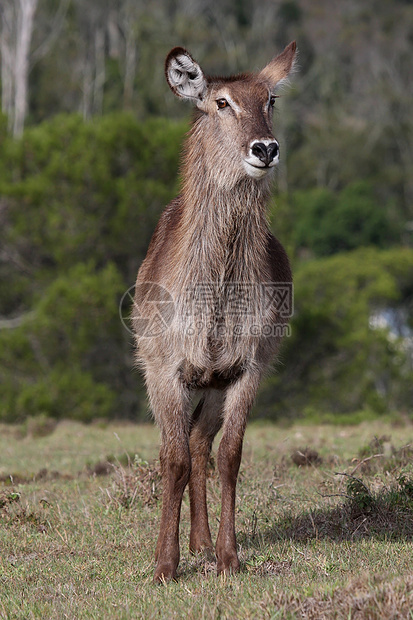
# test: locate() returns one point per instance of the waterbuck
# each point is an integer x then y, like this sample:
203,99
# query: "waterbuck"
210,303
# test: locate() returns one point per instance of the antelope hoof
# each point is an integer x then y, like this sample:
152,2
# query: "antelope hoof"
228,566
164,573
201,543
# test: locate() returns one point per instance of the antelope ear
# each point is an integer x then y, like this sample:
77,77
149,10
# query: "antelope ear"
184,76
278,69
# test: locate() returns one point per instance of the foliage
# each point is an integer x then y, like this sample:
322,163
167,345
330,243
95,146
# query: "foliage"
54,363
79,203
77,190
332,222
336,360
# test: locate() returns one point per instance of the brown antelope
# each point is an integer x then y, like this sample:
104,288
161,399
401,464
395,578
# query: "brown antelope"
207,315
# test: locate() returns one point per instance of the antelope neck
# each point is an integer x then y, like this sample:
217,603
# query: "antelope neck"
224,234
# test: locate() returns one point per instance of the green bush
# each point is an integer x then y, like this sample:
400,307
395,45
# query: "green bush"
335,362
65,393
78,205
329,222
52,363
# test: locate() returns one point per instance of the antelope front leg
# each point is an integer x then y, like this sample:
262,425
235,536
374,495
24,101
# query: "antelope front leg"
238,403
170,410
207,423
176,467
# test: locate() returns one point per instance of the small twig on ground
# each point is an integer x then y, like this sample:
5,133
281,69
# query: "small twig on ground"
334,495
368,458
358,527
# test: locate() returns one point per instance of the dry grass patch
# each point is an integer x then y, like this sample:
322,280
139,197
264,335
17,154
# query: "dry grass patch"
386,513
365,597
138,482
312,543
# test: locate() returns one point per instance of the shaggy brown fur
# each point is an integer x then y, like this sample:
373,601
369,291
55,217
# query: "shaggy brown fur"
218,270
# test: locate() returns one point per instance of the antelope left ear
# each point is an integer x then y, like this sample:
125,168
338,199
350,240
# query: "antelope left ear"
184,76
278,69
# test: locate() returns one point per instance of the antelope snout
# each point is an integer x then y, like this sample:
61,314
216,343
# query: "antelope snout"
262,155
265,152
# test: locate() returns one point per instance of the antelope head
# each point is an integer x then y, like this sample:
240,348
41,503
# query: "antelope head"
234,120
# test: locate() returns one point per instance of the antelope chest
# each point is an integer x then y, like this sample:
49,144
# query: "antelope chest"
219,330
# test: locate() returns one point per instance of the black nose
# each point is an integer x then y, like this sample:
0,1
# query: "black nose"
265,153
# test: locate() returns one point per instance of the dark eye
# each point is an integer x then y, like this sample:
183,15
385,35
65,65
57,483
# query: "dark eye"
272,100
222,103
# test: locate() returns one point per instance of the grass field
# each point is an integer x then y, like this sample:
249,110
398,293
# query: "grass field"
324,525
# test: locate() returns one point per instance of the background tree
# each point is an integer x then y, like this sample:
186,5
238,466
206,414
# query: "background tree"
18,19
16,32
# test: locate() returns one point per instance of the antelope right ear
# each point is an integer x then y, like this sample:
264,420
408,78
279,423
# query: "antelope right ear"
184,76
279,68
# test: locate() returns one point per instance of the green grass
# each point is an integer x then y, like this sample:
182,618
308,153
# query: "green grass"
77,534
